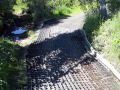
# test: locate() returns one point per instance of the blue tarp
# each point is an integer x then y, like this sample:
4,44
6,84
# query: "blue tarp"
19,30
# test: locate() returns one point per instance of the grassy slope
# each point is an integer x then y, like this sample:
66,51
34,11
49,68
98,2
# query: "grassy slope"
107,40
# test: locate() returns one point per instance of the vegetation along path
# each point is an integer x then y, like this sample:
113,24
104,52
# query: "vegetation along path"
60,59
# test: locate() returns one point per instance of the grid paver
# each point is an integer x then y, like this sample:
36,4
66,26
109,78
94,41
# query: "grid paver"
59,60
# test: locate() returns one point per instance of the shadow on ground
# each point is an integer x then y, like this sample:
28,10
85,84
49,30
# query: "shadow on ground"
51,59
56,19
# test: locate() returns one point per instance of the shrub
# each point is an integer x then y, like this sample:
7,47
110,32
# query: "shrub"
92,23
20,6
11,65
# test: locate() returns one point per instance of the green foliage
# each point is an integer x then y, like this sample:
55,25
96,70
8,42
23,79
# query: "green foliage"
5,13
73,6
11,65
48,8
105,37
20,6
92,23
66,11
61,11
108,39
113,5
45,8
75,10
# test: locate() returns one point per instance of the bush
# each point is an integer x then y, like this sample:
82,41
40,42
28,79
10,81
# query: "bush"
11,65
92,23
20,6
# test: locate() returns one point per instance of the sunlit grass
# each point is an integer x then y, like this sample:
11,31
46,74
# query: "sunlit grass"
75,10
107,40
32,37
67,10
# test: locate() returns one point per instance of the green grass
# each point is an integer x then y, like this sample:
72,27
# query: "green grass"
32,37
75,10
92,24
67,11
107,39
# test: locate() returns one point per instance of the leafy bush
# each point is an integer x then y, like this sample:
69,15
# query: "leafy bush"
48,8
11,65
20,6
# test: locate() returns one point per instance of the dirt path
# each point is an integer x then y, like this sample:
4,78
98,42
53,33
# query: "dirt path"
60,59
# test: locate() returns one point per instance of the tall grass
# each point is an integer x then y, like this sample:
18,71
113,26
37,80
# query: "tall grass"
67,10
105,36
92,24
107,40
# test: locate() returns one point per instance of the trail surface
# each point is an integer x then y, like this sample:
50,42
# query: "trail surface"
60,59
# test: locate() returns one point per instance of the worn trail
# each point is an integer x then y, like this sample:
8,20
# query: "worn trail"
60,59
